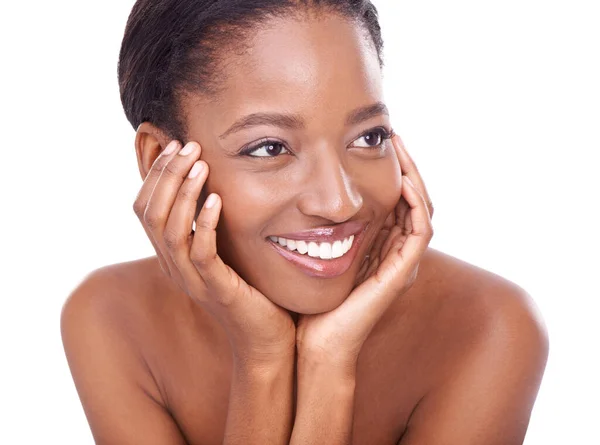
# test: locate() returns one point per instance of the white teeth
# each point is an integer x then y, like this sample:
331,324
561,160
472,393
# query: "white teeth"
337,250
301,247
313,249
325,251
347,243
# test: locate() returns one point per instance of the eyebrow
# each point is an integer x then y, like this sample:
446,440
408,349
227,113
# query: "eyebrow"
295,122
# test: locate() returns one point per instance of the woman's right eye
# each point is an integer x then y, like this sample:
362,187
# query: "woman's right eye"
268,149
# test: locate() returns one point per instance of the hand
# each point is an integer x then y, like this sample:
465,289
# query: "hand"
409,169
337,336
258,329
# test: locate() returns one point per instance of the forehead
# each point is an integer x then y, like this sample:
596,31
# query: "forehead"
309,65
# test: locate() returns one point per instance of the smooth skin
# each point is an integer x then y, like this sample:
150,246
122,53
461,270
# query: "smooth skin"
411,346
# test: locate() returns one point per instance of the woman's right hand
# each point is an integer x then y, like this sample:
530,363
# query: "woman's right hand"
258,329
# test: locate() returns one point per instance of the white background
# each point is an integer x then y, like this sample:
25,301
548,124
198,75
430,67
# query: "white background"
498,102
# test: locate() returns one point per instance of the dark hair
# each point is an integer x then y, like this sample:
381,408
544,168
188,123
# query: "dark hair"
172,47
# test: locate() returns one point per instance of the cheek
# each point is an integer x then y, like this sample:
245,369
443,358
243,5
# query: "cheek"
248,206
244,208
384,184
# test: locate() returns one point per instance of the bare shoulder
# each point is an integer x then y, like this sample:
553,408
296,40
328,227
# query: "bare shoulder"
481,300
121,290
455,307
490,347
137,301
140,349
128,298
119,305
109,322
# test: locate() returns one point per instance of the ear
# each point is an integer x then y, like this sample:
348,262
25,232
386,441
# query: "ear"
150,141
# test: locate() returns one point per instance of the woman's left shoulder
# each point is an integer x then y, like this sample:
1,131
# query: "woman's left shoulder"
469,348
476,308
459,285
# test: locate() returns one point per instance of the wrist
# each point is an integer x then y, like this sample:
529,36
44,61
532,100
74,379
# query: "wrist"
322,363
266,359
263,353
330,351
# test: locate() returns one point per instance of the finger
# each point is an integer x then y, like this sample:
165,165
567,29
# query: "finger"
409,168
222,283
151,179
166,188
376,252
402,212
405,245
390,221
178,234
418,224
372,258
390,241
164,193
143,196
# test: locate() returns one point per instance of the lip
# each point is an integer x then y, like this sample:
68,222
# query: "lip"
316,267
327,234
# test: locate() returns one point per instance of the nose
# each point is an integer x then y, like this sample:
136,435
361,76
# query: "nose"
329,191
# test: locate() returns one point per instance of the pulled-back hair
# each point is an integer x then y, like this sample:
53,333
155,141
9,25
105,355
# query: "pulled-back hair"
173,47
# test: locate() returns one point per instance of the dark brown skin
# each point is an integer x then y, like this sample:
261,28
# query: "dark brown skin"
217,339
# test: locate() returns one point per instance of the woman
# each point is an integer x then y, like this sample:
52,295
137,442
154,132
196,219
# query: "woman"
305,305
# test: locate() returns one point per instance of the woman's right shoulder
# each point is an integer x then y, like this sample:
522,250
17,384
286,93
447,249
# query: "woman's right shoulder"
123,327
115,290
135,299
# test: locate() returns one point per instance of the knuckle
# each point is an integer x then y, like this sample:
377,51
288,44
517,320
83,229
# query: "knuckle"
224,299
139,208
171,169
187,195
411,162
172,239
204,225
198,258
159,165
152,220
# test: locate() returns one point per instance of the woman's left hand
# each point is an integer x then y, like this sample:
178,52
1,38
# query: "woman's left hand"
336,337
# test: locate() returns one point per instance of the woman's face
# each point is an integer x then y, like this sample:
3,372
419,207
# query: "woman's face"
294,147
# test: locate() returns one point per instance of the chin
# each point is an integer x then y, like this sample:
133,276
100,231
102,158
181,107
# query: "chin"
310,300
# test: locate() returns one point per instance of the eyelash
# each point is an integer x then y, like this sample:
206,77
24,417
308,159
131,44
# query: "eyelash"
383,132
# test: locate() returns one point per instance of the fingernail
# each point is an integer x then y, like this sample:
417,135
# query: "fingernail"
196,169
211,201
409,181
188,149
170,148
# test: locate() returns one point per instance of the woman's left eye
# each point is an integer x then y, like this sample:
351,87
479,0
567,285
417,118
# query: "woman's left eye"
373,138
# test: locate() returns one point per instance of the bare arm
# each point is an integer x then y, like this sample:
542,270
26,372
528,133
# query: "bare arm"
325,403
260,404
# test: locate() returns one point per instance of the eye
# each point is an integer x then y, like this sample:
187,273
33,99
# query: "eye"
373,138
265,149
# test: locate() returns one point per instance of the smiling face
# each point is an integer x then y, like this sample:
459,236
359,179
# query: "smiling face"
295,141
